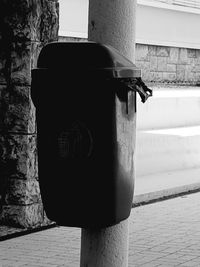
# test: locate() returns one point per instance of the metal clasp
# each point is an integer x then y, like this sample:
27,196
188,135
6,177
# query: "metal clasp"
136,84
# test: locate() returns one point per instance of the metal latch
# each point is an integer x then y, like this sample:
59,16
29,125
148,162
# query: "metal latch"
136,84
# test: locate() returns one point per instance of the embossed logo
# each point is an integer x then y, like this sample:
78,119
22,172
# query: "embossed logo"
76,142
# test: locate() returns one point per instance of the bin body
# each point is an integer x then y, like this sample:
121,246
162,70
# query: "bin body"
86,139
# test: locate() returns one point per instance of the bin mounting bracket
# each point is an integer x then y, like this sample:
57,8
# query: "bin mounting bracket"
136,84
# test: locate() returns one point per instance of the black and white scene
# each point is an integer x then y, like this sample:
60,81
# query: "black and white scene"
99,133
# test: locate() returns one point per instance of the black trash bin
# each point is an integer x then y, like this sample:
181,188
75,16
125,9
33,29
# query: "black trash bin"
86,133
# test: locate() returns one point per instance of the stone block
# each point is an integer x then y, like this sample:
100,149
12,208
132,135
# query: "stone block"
163,51
152,50
162,63
196,68
183,56
171,67
145,67
25,25
173,55
181,67
180,75
153,63
49,25
189,75
18,157
181,70
146,75
156,77
169,77
191,53
18,109
35,50
198,56
23,216
142,52
22,192
35,20
15,67
192,63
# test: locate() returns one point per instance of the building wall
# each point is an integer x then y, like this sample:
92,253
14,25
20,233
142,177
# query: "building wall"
168,64
167,25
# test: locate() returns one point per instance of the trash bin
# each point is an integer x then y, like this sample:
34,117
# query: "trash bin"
85,113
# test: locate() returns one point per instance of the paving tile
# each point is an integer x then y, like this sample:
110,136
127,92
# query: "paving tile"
162,234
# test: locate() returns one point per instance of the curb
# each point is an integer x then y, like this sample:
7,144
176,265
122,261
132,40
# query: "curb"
21,232
152,197
139,200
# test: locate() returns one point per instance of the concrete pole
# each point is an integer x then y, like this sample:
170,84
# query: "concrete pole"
111,22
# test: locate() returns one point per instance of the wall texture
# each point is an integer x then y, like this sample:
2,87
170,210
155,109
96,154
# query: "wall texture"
25,26
164,64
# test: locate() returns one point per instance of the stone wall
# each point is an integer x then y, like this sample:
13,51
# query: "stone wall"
168,64
25,26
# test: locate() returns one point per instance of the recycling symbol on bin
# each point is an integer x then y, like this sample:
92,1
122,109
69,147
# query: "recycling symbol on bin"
76,142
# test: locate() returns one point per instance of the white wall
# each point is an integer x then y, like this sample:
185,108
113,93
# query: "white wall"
157,23
162,25
73,18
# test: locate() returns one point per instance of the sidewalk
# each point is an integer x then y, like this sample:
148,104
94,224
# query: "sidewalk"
164,234
148,189
164,185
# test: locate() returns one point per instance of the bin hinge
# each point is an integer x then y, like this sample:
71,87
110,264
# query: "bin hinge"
136,84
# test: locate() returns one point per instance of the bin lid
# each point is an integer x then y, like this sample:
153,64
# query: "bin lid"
81,57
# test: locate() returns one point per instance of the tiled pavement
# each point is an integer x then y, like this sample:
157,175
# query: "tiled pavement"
163,234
